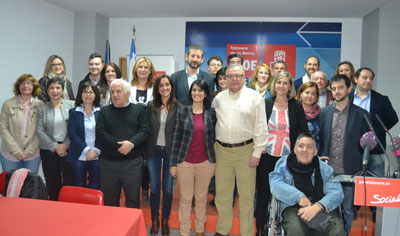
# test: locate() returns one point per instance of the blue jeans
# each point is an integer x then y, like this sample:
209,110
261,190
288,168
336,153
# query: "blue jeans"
376,164
154,165
348,191
81,168
32,165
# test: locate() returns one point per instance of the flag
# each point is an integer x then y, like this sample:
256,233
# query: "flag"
107,55
132,57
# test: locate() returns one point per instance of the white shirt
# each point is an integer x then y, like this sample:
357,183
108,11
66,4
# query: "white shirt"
191,78
305,78
90,132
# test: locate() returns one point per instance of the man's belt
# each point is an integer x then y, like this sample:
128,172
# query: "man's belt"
232,145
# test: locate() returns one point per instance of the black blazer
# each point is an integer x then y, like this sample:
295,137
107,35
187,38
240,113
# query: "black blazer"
154,123
355,128
297,118
381,106
179,79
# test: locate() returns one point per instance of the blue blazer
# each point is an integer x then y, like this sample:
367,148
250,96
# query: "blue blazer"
355,128
297,83
76,133
380,105
183,134
179,79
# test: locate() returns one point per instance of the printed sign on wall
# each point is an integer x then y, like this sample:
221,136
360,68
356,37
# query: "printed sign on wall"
250,54
294,41
286,53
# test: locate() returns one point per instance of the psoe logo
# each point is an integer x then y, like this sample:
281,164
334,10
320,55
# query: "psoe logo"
280,55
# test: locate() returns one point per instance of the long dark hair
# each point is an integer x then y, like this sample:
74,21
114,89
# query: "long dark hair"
203,86
103,86
157,97
82,89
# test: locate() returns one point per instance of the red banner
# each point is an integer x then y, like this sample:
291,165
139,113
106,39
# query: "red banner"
158,73
381,192
286,53
250,54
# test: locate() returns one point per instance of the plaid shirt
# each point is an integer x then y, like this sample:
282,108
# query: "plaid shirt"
241,116
183,134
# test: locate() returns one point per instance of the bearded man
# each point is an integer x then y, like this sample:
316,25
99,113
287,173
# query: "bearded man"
183,79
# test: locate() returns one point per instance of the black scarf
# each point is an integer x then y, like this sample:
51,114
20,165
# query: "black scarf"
302,175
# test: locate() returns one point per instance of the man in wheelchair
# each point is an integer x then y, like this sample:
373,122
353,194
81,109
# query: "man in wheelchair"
301,182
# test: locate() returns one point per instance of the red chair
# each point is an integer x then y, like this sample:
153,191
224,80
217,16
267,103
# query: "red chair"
3,183
81,195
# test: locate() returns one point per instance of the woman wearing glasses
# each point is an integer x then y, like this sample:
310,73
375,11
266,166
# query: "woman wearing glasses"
20,145
83,153
55,67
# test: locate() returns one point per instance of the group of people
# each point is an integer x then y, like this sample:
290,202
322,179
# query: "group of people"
265,136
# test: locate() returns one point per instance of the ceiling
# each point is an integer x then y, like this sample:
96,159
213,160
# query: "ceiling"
225,8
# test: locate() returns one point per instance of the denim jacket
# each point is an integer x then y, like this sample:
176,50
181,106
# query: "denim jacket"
282,186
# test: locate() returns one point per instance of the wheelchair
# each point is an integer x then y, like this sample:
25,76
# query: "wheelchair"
274,226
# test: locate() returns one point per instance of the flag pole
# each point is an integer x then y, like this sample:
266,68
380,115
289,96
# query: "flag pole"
132,55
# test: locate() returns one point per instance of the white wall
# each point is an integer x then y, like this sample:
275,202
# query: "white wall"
90,34
31,31
167,35
370,41
387,81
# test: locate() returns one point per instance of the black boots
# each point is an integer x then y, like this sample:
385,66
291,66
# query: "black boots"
164,227
155,225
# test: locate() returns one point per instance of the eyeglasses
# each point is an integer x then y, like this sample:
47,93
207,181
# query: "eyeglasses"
26,83
88,92
235,76
59,64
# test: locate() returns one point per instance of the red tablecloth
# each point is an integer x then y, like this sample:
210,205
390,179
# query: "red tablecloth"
20,217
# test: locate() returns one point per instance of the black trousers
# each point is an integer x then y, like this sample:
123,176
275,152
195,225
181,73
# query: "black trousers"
57,172
145,177
115,175
265,166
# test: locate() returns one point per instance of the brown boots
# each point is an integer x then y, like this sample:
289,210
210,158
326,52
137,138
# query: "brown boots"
164,227
155,225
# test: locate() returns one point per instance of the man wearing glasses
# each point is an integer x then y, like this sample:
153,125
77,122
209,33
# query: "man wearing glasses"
241,134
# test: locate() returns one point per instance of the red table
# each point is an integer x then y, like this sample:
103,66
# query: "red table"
20,216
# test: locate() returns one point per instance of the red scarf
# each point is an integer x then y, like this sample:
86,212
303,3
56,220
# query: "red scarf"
313,112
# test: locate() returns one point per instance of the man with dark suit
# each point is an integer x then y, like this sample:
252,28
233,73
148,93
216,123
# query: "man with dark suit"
311,66
184,78
341,127
376,104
